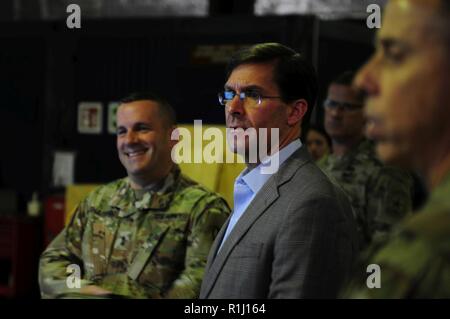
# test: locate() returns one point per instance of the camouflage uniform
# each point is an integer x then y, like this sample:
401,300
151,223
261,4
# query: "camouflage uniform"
380,195
414,262
139,244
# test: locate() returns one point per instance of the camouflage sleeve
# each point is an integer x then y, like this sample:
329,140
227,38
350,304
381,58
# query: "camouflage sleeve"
207,219
63,251
405,268
388,200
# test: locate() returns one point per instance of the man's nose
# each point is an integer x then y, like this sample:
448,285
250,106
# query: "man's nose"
367,78
336,111
131,137
235,105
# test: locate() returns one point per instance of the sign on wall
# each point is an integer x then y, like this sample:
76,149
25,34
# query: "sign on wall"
90,117
112,121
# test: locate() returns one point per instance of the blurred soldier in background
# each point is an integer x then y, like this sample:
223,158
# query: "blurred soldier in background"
380,195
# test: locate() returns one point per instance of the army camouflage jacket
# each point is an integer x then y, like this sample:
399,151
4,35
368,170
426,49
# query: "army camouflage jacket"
380,195
414,262
148,244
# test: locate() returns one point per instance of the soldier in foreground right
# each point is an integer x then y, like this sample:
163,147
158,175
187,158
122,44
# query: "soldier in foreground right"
408,85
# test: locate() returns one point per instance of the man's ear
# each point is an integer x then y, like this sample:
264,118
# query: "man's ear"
174,136
297,111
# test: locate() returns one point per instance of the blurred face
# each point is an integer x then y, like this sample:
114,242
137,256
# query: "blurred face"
407,80
317,144
344,117
271,113
143,142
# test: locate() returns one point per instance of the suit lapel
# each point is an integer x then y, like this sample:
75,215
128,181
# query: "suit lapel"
216,244
265,197
216,261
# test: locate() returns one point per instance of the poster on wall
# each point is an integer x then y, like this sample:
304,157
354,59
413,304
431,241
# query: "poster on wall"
90,117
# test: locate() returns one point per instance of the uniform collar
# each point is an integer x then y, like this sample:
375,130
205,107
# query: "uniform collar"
363,149
157,198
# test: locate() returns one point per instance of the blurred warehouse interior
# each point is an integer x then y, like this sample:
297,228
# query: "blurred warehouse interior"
178,48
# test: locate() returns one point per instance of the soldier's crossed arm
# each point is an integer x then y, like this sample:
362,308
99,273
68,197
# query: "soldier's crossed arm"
206,220
63,251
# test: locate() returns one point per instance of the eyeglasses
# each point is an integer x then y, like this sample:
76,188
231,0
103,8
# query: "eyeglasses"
250,98
348,107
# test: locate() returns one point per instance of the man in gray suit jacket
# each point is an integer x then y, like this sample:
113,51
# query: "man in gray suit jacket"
291,234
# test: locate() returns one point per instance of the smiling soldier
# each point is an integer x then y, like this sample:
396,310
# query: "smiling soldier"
144,236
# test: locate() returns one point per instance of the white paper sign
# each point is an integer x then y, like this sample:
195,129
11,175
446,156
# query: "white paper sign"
63,168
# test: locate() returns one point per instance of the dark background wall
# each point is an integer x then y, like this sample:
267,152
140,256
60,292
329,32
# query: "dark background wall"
47,69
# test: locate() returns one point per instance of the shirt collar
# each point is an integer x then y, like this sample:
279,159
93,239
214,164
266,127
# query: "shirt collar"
255,179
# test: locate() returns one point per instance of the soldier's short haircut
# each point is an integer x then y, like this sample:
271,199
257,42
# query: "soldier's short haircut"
346,78
294,75
165,109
